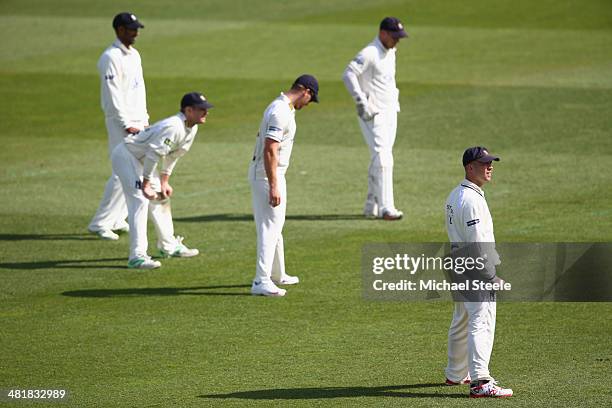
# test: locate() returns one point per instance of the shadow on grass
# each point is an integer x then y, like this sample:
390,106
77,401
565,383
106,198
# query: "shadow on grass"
48,237
67,263
249,217
192,291
340,392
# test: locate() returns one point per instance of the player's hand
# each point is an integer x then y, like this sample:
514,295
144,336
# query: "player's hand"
363,111
275,198
148,191
132,130
166,190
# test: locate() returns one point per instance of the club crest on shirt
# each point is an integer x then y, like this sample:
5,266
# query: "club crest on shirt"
168,142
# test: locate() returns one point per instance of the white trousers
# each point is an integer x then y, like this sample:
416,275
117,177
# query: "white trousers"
470,340
269,223
112,210
129,171
379,134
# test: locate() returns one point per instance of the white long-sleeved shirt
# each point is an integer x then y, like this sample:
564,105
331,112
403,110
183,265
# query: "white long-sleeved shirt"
370,77
468,220
122,90
165,141
278,123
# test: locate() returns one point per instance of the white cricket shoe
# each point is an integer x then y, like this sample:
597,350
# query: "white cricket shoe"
181,251
106,234
490,390
287,280
266,289
392,215
144,262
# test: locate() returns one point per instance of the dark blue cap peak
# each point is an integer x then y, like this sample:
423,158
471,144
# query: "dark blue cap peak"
479,153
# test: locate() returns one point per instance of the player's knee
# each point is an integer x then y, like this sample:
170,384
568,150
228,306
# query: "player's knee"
383,158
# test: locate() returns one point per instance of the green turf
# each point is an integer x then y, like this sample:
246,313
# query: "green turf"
530,80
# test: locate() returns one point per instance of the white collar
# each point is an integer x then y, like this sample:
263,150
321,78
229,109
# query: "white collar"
181,116
122,47
467,183
380,45
287,100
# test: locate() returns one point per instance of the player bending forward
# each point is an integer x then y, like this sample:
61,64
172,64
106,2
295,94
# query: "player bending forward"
267,178
139,161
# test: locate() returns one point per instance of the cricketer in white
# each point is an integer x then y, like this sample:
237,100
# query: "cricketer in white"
267,178
370,79
472,330
123,99
136,162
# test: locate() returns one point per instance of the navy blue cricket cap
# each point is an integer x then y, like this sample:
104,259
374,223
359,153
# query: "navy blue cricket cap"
479,153
127,20
394,27
310,82
195,99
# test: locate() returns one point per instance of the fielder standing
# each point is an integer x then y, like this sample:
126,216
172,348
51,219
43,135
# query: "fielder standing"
124,104
370,79
471,333
267,178
139,161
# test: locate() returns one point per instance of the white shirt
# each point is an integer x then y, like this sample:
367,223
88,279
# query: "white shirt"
467,215
374,68
278,123
165,141
468,219
123,94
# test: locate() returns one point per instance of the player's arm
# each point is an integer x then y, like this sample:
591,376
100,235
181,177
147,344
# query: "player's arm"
168,163
144,91
350,77
112,95
149,166
479,239
270,156
160,146
166,188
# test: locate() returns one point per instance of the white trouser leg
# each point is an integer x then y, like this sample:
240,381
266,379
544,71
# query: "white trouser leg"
278,264
112,210
161,215
381,176
379,134
480,335
129,171
369,137
269,223
457,368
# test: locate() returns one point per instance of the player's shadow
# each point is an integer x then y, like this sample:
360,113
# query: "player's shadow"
399,391
48,237
249,217
67,264
190,291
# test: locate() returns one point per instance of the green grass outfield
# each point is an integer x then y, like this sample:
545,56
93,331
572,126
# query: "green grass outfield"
529,79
